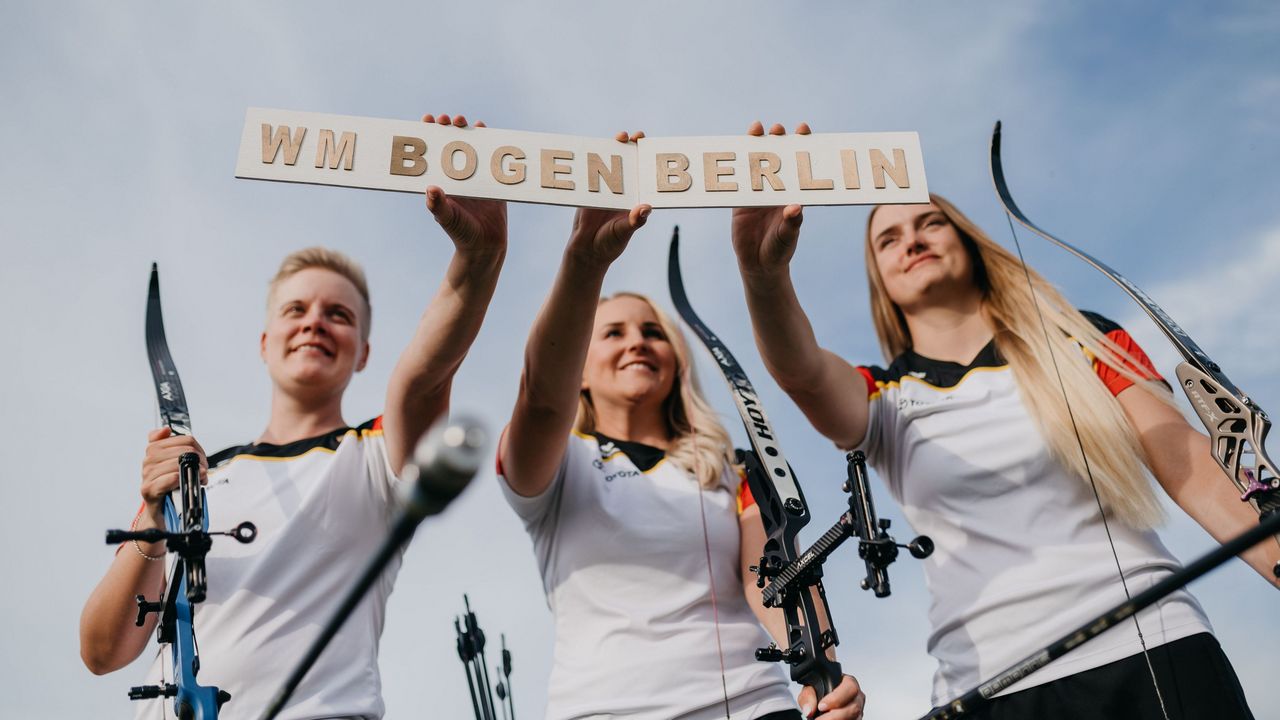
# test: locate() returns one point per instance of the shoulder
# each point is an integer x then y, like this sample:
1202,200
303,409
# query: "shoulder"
1104,324
328,442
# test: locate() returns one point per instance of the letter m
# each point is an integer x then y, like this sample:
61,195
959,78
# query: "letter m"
344,153
283,137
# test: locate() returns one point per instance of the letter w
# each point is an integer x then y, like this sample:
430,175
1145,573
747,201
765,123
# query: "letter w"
283,137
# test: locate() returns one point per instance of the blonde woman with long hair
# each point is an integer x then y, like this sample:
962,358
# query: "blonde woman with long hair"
623,477
968,427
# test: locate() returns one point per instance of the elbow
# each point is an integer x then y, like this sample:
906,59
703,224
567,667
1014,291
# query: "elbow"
98,662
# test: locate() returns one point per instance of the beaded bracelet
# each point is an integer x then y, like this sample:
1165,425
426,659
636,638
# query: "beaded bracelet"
134,526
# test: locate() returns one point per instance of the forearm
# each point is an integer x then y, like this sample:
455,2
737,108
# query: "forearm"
552,377
109,637
558,341
1181,461
418,391
783,334
1206,494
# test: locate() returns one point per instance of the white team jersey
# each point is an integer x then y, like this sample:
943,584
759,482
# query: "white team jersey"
625,569
1022,555
321,506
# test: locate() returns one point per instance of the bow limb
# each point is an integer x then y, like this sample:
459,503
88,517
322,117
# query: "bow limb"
783,512
1237,426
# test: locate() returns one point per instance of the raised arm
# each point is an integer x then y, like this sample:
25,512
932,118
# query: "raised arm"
534,442
1182,464
830,392
418,391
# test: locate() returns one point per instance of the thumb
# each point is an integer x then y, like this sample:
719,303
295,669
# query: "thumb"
639,215
808,701
442,208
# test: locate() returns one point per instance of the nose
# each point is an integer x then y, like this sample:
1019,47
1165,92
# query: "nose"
913,242
637,340
315,320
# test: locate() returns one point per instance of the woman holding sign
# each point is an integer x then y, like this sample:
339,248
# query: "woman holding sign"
623,477
968,427
321,493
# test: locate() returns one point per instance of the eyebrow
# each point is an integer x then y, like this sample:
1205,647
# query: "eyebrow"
926,216
917,221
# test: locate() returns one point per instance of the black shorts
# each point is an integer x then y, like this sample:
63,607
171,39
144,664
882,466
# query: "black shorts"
1195,678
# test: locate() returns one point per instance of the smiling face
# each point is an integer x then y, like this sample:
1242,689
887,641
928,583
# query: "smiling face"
630,360
920,255
313,342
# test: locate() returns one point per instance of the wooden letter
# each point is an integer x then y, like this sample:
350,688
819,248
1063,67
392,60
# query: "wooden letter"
611,175
516,174
408,149
450,152
897,170
804,169
327,154
849,162
764,166
550,169
712,171
284,136
673,165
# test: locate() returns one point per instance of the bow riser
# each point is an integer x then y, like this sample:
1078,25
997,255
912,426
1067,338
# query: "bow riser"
1235,432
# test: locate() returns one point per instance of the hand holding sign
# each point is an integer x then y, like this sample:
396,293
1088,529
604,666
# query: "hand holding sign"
765,238
474,225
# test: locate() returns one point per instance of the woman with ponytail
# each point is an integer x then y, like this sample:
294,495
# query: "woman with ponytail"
1020,433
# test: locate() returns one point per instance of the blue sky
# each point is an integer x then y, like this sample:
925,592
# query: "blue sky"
1148,135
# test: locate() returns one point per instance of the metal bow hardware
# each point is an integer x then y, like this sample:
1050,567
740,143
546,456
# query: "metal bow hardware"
794,578
186,535
471,643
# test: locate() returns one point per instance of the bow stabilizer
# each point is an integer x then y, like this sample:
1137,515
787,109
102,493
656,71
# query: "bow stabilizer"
794,579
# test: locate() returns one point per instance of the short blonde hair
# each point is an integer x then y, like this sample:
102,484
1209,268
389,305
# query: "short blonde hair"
334,261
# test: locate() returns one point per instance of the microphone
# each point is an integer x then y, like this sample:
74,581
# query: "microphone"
443,464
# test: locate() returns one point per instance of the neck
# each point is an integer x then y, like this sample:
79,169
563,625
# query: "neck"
955,331
633,423
294,418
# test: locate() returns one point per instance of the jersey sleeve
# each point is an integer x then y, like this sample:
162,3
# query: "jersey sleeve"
1110,376
745,498
871,444
376,461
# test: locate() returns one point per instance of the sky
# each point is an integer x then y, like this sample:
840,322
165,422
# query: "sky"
1147,133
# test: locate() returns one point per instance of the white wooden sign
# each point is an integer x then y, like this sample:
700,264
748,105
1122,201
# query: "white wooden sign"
722,171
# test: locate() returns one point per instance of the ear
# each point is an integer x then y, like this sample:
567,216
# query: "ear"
364,358
262,346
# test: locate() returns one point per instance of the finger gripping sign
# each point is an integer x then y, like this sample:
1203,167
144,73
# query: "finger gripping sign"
684,172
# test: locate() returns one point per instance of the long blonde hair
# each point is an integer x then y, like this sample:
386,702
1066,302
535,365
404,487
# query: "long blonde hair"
700,444
1116,458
